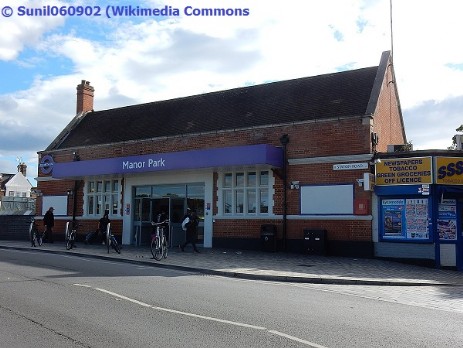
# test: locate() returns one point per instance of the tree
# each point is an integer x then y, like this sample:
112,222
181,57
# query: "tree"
454,139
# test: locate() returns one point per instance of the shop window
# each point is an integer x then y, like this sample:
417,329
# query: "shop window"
102,195
245,193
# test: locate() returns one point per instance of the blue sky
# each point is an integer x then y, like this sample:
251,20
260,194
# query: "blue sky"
132,60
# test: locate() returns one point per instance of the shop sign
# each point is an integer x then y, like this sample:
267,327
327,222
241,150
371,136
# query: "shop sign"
404,171
449,170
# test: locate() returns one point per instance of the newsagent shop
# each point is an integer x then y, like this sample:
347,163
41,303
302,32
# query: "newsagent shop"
263,165
420,203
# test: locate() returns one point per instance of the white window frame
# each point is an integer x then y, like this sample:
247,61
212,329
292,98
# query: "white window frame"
100,194
236,189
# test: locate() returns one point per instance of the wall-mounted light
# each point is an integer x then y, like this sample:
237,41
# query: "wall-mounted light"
70,192
294,185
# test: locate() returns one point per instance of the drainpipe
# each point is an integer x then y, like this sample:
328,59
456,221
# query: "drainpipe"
284,140
76,157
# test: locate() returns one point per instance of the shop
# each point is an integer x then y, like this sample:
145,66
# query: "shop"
420,206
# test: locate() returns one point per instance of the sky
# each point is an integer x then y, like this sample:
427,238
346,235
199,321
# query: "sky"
132,59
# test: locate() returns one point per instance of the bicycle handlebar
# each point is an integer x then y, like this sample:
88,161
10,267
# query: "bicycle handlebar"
159,223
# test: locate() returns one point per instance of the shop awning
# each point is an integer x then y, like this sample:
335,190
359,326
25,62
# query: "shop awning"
250,155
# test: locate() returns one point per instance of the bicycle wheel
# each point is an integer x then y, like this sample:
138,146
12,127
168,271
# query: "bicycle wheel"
108,241
155,249
68,244
32,235
164,247
115,245
39,238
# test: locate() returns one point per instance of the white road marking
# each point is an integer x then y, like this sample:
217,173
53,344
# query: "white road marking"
168,310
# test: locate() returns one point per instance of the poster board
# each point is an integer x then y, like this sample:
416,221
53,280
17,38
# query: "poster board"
59,203
327,200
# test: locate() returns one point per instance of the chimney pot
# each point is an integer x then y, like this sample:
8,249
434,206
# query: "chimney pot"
85,94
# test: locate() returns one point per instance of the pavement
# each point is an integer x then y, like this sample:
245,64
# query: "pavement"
269,266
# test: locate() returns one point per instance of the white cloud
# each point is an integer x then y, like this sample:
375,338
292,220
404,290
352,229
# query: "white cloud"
23,31
136,60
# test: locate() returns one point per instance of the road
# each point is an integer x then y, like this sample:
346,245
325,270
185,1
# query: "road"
49,300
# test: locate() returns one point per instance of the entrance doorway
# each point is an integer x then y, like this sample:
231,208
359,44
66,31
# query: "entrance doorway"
147,207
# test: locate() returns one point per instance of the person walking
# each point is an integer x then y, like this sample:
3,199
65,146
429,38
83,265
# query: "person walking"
190,226
103,226
49,222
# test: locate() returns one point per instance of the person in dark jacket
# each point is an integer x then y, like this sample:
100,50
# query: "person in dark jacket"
49,222
191,228
103,225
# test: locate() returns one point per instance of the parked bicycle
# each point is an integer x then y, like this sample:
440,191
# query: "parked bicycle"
158,240
111,240
35,236
71,234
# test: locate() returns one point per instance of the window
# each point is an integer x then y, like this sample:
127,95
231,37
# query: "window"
103,195
245,193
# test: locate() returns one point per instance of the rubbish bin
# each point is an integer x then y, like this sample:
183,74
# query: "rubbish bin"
314,241
268,237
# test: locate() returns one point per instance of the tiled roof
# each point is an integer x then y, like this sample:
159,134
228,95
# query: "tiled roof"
340,94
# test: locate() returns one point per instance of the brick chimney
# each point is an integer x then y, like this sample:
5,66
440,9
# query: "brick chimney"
22,167
84,97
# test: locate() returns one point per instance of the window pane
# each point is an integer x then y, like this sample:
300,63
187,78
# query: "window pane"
227,180
107,186
91,201
264,201
99,205
264,178
252,179
227,202
252,201
115,205
239,179
99,186
239,201
115,186
143,191
91,187
107,202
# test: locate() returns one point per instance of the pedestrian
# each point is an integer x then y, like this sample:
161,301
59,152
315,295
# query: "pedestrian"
103,226
190,225
49,222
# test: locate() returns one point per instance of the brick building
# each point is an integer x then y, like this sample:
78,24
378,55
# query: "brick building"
294,154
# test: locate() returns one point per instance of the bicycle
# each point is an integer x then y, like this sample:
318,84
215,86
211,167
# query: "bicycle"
70,235
35,236
111,240
158,241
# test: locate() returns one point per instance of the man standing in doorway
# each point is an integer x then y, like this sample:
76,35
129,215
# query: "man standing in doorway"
190,226
49,222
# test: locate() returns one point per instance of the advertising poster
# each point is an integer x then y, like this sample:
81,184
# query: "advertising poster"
447,220
405,219
393,217
416,216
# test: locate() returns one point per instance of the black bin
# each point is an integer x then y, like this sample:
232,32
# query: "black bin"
314,241
268,237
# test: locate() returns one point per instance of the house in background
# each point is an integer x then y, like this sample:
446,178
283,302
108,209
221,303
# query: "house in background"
15,193
264,165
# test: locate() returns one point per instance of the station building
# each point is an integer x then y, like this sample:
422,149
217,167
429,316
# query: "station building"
284,158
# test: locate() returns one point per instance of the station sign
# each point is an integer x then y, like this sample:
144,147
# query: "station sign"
404,171
350,166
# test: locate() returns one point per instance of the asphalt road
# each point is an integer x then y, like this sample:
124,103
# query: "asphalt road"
49,300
